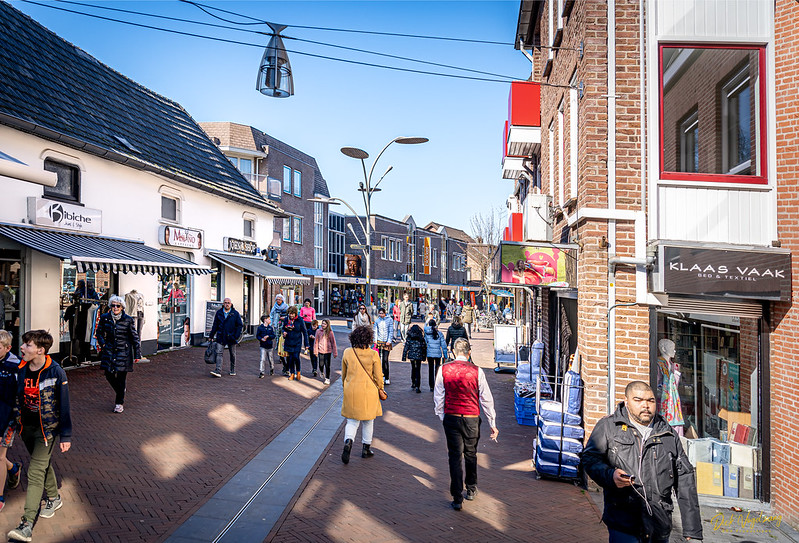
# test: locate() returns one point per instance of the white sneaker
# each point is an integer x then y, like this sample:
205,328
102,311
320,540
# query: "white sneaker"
327,381
119,408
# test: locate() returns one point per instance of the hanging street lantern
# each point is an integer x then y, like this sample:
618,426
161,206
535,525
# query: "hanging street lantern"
274,74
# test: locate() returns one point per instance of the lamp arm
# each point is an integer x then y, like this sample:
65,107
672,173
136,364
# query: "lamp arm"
372,169
354,213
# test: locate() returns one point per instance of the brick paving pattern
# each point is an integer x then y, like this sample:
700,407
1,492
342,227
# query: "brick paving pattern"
402,493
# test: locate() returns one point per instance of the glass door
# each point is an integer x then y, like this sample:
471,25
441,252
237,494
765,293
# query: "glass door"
173,301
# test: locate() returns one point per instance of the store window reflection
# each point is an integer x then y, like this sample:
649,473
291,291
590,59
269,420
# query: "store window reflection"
708,390
82,300
173,300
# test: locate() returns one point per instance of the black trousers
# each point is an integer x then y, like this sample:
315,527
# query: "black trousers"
384,359
314,358
416,373
462,434
324,363
432,368
117,381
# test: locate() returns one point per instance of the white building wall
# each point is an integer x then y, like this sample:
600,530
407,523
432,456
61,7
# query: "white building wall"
710,212
131,204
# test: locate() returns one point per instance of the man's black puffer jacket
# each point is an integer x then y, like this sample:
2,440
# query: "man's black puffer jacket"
615,443
118,341
415,345
454,332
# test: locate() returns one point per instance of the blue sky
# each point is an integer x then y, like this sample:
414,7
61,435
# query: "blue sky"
449,179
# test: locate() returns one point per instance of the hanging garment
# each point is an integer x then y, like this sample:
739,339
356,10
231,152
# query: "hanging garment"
670,406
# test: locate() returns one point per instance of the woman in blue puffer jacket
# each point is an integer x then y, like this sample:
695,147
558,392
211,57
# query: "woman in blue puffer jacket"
436,350
384,332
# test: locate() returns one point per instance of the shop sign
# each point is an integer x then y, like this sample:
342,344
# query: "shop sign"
66,216
175,236
418,284
763,275
240,246
532,265
385,283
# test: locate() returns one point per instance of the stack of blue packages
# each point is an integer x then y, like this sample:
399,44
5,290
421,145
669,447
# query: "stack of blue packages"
524,389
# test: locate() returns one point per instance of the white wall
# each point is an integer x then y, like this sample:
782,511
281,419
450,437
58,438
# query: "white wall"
131,205
710,212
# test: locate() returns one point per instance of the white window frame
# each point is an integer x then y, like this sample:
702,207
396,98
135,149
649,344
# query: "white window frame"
399,250
296,183
297,229
384,252
737,83
551,51
172,195
318,235
287,176
552,159
434,256
249,217
573,118
561,154
287,229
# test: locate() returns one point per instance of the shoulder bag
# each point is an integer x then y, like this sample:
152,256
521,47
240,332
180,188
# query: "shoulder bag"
210,353
380,392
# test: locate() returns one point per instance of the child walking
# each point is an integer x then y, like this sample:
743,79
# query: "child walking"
324,346
312,339
266,336
416,350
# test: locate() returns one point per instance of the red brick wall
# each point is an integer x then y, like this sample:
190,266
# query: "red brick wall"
785,316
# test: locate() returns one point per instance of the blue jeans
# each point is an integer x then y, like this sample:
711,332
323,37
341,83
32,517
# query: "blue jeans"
293,360
220,351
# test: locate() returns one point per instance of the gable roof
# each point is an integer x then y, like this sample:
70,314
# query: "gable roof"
55,90
242,136
451,232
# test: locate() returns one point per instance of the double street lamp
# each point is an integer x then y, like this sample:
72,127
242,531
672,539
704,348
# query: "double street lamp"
366,189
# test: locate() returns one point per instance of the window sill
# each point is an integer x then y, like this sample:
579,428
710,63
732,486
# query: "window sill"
704,179
62,200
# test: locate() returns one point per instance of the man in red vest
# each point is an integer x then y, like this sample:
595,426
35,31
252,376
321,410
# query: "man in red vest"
461,390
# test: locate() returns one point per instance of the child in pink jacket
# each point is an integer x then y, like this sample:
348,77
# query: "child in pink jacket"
325,347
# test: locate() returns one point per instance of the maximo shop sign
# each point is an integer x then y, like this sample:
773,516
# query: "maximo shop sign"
65,216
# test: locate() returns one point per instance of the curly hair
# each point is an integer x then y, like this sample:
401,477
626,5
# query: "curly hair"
362,337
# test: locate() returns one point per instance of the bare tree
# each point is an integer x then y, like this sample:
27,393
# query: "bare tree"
487,230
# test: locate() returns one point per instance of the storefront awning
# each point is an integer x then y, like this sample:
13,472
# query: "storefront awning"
254,265
316,272
97,253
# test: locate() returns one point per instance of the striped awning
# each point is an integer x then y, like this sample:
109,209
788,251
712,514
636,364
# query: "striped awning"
253,265
98,253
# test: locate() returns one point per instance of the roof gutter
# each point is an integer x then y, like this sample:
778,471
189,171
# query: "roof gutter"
126,160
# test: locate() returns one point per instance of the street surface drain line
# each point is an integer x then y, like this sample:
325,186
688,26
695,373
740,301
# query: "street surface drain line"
260,488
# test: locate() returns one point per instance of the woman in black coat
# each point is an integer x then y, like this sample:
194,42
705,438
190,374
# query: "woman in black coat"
119,347
455,331
416,350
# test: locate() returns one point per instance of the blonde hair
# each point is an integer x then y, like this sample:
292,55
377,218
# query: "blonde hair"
6,338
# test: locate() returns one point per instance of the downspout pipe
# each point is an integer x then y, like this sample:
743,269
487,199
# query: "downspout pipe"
611,197
612,360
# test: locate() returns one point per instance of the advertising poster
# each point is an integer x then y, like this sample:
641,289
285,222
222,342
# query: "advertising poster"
531,265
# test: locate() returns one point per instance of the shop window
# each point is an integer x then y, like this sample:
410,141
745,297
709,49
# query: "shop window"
297,183
170,208
287,229
297,230
712,114
286,179
68,185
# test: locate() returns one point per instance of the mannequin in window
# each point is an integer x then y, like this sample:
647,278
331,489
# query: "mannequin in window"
134,306
669,405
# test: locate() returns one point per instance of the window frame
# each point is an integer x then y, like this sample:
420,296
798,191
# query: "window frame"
738,82
761,122
296,227
689,125
296,183
287,170
176,220
76,182
287,222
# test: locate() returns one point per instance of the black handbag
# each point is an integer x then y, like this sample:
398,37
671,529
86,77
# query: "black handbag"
210,353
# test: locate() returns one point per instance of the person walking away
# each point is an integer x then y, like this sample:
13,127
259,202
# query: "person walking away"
467,318
423,310
384,331
415,350
637,459
461,392
360,372
325,346
226,331
43,400
277,315
311,351
119,347
433,313
442,309
406,314
450,309
436,350
362,317
395,315
9,381
455,331
295,338
266,338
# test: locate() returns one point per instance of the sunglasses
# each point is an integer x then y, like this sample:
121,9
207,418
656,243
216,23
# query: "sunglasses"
116,305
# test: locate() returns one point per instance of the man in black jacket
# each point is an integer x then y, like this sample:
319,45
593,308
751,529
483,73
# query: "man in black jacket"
637,459
226,331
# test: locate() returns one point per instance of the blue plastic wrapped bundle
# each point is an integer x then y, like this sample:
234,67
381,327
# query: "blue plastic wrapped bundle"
553,469
549,455
554,429
556,443
573,391
551,411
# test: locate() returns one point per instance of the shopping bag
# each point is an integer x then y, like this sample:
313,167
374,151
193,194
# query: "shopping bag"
210,353
280,350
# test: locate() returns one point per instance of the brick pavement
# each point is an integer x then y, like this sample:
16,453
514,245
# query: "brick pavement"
136,476
402,493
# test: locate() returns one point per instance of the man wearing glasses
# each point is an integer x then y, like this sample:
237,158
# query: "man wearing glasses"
118,342
636,457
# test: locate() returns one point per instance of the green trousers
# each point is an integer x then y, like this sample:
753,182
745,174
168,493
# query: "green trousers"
41,476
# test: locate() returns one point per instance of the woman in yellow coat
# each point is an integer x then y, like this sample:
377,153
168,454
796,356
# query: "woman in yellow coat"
362,375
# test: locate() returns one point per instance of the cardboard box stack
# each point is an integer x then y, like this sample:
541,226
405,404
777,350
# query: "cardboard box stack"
726,468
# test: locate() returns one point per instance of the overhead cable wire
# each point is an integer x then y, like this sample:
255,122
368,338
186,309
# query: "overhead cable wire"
506,79
285,37
350,30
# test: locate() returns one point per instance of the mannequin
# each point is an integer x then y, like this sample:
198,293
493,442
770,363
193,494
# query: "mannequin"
134,306
669,405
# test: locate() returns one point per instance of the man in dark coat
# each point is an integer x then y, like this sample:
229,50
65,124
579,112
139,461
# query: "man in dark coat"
636,457
226,331
119,347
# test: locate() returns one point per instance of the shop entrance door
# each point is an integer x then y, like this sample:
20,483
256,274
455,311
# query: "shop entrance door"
173,301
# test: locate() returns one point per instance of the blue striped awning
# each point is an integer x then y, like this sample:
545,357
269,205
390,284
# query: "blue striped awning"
99,253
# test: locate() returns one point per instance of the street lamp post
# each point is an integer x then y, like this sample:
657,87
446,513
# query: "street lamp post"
366,189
